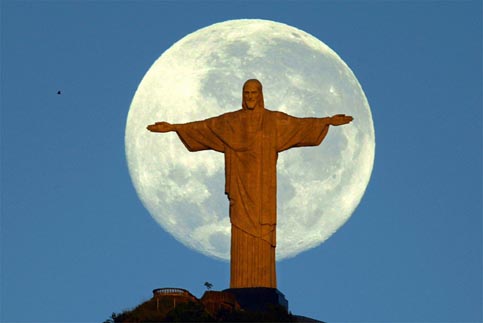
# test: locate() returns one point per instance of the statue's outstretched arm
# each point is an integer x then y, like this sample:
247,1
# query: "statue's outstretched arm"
161,127
340,119
196,135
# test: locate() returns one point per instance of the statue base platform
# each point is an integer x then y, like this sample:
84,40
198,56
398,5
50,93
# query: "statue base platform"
258,298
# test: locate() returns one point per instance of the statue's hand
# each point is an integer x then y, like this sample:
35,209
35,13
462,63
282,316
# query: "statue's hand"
340,119
161,127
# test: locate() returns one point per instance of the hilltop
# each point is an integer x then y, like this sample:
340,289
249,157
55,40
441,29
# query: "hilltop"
179,305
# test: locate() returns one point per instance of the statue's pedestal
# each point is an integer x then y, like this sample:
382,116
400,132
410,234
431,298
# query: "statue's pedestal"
258,298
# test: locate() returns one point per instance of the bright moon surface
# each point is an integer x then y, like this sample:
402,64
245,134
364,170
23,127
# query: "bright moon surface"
201,76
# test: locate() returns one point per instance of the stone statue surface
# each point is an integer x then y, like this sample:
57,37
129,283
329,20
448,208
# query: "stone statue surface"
250,140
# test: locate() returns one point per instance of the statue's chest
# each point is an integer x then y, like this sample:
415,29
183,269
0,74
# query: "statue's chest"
255,136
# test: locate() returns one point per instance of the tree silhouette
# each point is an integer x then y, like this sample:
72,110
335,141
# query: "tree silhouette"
208,285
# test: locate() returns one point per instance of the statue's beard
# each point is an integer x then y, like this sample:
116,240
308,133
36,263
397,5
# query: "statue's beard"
257,105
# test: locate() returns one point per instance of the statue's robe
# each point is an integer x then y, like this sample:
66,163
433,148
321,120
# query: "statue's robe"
251,141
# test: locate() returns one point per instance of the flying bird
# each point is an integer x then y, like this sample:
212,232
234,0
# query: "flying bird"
59,92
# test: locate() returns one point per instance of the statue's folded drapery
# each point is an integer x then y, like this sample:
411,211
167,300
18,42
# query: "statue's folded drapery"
251,141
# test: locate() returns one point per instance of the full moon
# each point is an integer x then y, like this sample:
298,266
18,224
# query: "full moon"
201,76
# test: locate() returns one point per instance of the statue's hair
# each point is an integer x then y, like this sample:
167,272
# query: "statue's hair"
254,81
261,103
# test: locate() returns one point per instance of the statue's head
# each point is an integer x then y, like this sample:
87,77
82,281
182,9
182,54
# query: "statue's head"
252,95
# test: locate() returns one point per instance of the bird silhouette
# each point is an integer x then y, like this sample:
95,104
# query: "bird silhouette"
59,92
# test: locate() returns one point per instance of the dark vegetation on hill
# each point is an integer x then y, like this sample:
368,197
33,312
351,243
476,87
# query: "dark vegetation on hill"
164,310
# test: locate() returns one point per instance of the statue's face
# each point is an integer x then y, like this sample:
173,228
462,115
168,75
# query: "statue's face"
251,95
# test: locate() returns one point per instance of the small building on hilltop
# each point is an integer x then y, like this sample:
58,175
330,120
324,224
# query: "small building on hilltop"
173,296
215,301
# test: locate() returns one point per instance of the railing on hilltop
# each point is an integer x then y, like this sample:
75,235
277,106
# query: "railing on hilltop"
180,294
171,291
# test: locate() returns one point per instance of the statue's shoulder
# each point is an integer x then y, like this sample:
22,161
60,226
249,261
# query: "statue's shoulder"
226,116
279,115
232,114
230,117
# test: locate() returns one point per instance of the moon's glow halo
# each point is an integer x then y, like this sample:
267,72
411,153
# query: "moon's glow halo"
201,76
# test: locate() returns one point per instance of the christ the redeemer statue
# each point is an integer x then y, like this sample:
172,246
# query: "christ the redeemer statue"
251,139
